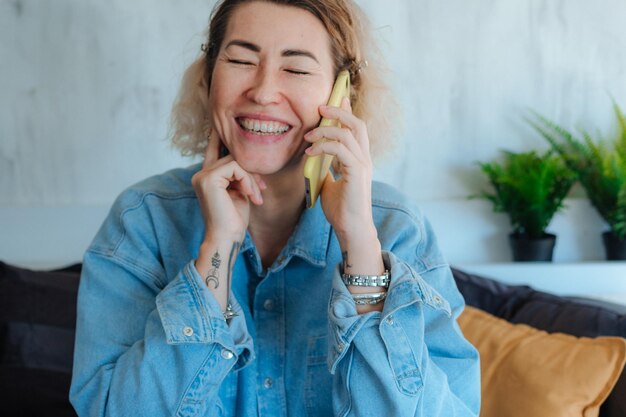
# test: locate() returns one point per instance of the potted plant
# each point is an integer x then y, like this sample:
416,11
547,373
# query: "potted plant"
530,188
601,170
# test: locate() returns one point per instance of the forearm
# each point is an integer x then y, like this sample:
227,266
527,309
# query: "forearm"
412,355
135,352
215,262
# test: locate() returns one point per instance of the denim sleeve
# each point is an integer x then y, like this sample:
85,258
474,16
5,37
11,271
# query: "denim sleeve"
411,359
162,350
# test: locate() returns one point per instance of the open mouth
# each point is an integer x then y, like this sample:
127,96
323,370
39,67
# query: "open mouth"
263,127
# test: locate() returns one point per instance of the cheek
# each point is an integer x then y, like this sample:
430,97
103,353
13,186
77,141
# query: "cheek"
219,96
224,90
308,105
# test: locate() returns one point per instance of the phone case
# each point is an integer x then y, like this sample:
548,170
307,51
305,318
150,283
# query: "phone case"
316,167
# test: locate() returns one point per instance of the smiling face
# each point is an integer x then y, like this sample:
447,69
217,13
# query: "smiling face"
273,71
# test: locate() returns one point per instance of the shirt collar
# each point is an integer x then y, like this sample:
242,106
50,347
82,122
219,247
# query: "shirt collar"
309,240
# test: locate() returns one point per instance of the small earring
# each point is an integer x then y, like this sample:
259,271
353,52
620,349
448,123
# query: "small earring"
207,129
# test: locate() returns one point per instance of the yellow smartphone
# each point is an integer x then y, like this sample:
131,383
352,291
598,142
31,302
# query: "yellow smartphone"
316,167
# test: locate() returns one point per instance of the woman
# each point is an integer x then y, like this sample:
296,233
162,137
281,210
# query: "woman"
212,291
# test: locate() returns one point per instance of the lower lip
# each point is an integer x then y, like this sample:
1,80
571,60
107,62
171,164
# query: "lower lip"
262,139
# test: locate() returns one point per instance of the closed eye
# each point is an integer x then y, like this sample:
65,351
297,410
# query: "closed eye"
239,62
297,72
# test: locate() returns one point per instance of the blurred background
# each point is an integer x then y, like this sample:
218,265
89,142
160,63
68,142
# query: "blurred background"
86,89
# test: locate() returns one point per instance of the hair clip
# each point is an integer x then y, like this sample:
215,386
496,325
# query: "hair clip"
355,67
361,66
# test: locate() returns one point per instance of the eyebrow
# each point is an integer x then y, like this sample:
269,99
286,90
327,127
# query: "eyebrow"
286,53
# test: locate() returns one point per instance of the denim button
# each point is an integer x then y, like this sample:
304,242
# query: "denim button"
390,320
340,347
267,383
227,354
188,331
268,304
437,300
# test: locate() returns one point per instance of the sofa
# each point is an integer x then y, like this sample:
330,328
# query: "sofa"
38,314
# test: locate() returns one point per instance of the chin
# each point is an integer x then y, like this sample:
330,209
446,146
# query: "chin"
255,166
272,165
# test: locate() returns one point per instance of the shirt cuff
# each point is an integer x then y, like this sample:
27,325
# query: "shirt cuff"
406,288
190,314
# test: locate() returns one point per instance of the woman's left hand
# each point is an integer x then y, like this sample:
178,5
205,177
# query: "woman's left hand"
347,202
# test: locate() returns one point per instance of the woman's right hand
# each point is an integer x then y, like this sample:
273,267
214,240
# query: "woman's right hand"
225,192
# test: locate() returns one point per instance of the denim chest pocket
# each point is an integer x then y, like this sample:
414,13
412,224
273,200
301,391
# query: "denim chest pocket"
318,383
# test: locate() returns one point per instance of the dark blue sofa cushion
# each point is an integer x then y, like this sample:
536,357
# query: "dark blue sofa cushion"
37,321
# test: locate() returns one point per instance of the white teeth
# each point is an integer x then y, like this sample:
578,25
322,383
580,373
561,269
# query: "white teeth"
263,126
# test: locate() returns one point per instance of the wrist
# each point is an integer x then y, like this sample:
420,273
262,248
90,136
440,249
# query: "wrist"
362,254
357,236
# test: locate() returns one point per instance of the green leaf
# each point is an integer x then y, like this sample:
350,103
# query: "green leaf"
529,187
600,167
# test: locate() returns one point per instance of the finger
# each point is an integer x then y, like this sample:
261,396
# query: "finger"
222,161
346,105
334,133
349,120
245,182
212,151
262,185
228,170
337,149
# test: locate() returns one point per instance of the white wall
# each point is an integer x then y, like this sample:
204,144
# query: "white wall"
86,87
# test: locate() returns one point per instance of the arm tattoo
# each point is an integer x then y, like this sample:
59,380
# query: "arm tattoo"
214,273
346,265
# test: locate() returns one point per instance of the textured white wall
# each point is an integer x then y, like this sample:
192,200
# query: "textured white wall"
86,88
467,71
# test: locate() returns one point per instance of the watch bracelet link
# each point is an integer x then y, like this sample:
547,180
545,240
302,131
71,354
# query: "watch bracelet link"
366,280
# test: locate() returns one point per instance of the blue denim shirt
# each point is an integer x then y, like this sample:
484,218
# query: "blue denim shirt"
151,339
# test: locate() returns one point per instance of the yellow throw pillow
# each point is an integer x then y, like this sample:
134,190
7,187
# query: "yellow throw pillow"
530,373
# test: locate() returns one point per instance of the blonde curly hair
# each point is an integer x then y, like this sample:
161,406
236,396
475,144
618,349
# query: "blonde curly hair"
352,46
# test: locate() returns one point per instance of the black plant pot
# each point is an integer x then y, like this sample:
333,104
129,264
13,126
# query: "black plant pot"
614,247
526,249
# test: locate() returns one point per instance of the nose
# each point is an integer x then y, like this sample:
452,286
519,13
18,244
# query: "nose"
266,89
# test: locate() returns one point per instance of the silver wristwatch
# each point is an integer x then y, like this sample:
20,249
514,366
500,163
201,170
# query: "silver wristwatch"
366,280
